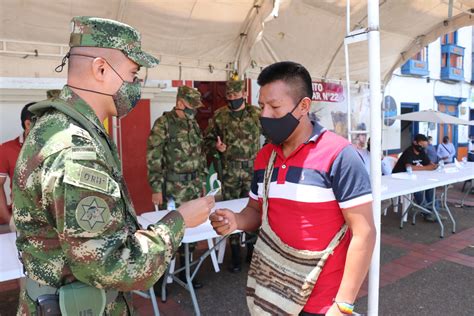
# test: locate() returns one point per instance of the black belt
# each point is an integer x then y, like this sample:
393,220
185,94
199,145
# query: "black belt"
176,177
240,163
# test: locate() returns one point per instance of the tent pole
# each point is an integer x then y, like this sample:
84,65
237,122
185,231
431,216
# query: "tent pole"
348,81
375,145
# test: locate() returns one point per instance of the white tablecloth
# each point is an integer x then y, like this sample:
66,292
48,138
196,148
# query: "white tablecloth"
10,267
424,180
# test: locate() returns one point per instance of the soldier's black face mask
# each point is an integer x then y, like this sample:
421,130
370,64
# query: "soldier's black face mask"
279,129
235,104
191,113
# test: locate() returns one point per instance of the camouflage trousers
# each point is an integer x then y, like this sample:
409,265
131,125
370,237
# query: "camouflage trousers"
121,307
183,191
236,184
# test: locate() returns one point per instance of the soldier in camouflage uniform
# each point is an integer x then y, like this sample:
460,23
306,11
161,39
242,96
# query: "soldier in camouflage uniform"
233,135
176,163
74,216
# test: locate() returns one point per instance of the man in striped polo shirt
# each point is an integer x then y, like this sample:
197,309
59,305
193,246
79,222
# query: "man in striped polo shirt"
318,183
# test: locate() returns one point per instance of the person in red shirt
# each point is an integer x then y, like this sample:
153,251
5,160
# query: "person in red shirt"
9,152
318,184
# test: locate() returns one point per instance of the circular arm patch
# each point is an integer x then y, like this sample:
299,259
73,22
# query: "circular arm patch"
92,214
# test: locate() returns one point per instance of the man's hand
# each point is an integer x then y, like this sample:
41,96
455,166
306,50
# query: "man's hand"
157,198
223,221
195,212
220,146
5,214
333,311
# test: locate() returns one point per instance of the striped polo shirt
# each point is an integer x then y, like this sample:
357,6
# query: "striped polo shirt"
309,190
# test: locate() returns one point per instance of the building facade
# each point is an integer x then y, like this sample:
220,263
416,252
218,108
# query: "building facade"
439,77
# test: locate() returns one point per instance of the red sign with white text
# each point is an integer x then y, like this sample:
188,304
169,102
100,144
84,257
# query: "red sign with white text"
328,92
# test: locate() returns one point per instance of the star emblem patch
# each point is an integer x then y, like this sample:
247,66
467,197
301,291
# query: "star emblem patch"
92,214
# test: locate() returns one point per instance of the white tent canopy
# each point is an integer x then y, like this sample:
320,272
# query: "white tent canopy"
204,39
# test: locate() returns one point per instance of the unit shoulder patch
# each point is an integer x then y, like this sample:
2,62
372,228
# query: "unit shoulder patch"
92,214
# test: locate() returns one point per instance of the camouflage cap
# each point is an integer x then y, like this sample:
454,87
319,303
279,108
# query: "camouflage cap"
191,95
105,33
234,86
50,94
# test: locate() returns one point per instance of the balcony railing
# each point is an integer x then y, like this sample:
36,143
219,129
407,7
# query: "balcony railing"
415,68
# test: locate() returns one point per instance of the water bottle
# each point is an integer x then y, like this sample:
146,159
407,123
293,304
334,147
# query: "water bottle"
464,160
171,205
441,166
409,170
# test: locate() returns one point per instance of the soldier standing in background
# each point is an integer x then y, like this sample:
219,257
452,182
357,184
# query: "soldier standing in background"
77,229
177,167
233,137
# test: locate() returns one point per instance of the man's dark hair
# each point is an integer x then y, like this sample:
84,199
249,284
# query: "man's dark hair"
25,114
291,73
420,138
445,139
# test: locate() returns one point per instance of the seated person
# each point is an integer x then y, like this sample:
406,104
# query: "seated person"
416,157
446,150
470,147
386,164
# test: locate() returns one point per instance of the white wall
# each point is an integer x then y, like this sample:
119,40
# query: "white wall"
465,40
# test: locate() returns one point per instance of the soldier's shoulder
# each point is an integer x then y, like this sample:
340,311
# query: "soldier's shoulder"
222,113
161,121
165,118
223,110
55,131
254,109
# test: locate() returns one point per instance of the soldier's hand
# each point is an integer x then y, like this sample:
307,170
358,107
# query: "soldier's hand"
220,146
157,198
223,221
195,212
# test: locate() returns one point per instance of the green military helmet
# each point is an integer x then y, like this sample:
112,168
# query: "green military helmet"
54,93
105,33
234,86
191,95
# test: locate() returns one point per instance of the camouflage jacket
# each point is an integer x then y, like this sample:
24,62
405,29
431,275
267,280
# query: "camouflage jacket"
240,131
174,146
73,213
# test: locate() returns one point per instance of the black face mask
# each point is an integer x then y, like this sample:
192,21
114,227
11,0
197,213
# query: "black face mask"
418,148
279,129
235,104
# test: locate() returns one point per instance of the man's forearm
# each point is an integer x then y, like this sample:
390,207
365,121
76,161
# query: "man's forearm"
357,264
4,213
249,219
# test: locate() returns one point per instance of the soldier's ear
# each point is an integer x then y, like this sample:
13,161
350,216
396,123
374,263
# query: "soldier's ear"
180,104
99,68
